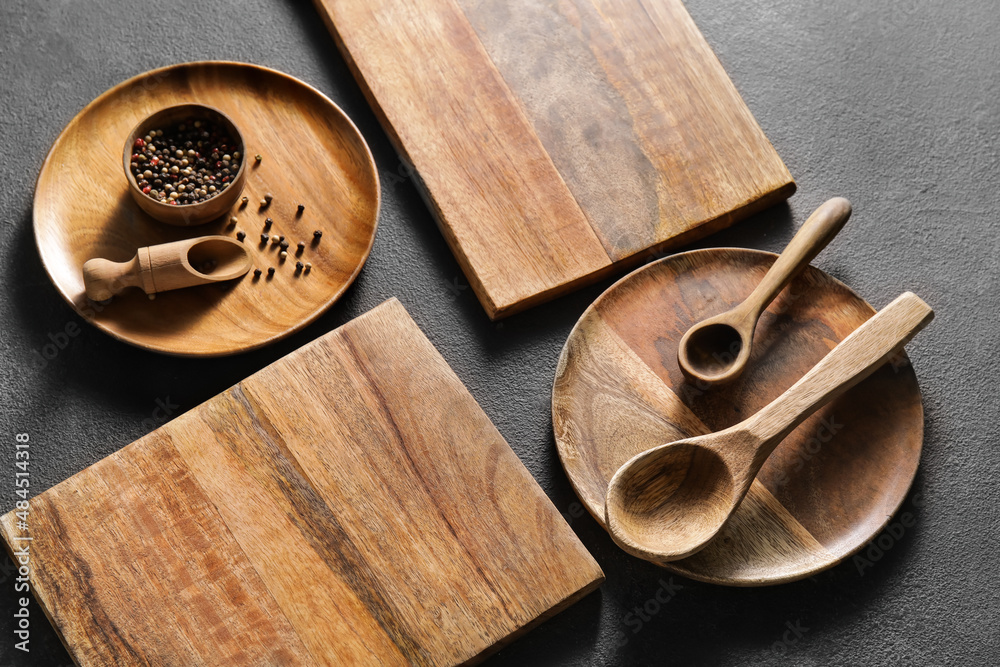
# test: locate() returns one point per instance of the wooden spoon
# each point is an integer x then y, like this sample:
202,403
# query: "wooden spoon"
668,502
716,350
158,268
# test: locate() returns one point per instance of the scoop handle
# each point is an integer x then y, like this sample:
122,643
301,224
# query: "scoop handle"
814,235
854,359
103,278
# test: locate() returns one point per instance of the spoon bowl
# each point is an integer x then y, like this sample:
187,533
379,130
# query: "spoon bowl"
712,348
219,258
668,502
652,508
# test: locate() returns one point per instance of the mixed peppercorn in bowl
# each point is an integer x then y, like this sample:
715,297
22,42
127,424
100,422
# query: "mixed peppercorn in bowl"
185,164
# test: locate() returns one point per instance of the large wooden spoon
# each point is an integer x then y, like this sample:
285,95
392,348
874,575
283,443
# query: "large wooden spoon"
716,350
668,502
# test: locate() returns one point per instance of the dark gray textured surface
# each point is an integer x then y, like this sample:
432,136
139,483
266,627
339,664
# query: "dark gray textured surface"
895,107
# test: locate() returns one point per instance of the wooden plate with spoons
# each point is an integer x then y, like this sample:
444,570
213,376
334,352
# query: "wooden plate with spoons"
828,488
311,154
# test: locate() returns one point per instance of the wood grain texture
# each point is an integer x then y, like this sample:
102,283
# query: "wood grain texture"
312,155
556,141
826,490
323,511
452,117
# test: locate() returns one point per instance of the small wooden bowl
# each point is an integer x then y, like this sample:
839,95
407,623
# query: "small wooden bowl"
185,215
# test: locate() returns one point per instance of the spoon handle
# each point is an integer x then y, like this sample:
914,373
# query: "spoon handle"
854,359
814,235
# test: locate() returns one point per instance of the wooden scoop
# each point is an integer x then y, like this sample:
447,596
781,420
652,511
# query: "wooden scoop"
716,350
668,502
158,268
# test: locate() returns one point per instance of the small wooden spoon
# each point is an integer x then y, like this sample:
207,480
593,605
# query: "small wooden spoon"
668,502
716,350
158,268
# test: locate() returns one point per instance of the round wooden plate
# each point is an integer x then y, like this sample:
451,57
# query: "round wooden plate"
827,490
312,155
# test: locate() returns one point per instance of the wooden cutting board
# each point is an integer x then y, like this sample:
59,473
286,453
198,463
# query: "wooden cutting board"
349,504
557,141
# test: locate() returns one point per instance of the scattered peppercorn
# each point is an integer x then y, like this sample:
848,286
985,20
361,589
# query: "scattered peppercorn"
283,244
281,237
301,208
186,163
233,220
257,157
317,235
308,267
301,246
274,240
263,203
270,271
256,273
240,235
268,197
283,254
298,266
244,201
263,238
268,223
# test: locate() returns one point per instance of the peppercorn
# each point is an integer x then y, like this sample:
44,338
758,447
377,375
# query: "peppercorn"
256,273
268,223
233,220
283,244
257,157
240,235
268,197
270,271
308,267
283,254
244,201
263,203
301,209
301,245
317,235
298,266
263,238
181,176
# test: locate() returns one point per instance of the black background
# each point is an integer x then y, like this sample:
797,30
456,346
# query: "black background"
893,106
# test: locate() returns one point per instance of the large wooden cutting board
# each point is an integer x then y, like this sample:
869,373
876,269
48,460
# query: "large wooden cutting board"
557,141
350,504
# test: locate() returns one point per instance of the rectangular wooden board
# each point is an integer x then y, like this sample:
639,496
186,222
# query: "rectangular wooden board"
558,141
350,504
